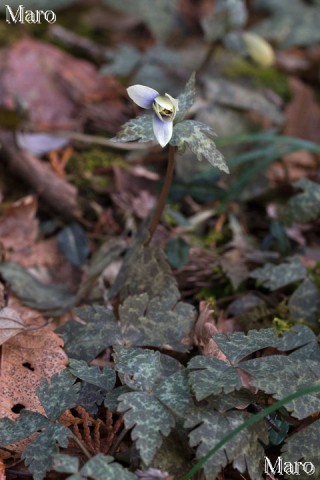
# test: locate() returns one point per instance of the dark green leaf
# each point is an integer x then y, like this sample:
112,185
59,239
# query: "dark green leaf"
65,463
59,395
304,303
52,299
198,137
158,322
104,379
186,99
139,369
174,393
209,427
304,207
212,376
281,381
177,250
297,337
149,418
111,398
91,397
304,446
28,422
102,467
38,455
278,276
86,341
73,243
152,315
238,345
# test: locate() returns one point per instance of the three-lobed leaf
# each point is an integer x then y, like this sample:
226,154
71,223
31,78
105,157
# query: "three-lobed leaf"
198,137
38,454
60,394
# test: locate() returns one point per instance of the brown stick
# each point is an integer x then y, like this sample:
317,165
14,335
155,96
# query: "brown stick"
55,191
163,195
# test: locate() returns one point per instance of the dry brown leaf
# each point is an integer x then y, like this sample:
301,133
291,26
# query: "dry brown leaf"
67,89
10,324
26,358
205,328
302,121
18,224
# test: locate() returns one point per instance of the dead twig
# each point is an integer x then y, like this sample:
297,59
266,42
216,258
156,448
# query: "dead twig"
55,191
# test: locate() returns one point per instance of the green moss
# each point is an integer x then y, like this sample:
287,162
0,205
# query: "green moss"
88,161
261,77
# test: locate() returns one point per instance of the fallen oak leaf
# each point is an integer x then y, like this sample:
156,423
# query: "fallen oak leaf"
26,358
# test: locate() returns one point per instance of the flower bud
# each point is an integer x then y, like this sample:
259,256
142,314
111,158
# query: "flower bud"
165,107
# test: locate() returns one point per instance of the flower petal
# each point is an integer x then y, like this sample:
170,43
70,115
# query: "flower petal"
162,130
142,96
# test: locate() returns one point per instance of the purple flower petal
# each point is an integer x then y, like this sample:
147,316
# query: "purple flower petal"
142,96
162,130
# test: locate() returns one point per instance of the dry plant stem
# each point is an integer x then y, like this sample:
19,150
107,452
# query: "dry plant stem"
80,445
163,196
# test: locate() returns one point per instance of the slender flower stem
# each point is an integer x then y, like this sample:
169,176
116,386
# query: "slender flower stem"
163,196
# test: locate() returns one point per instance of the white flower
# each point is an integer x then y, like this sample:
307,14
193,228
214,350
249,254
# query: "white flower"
164,106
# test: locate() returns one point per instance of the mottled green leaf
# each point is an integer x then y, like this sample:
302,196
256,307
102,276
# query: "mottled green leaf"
210,426
60,394
28,422
152,315
210,376
111,398
149,418
304,446
278,276
304,207
174,393
293,375
91,397
145,270
159,322
105,378
260,367
51,299
177,250
65,463
73,243
304,303
38,455
198,137
86,341
102,467
295,338
285,26
137,129
186,99
159,18
139,369
238,345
